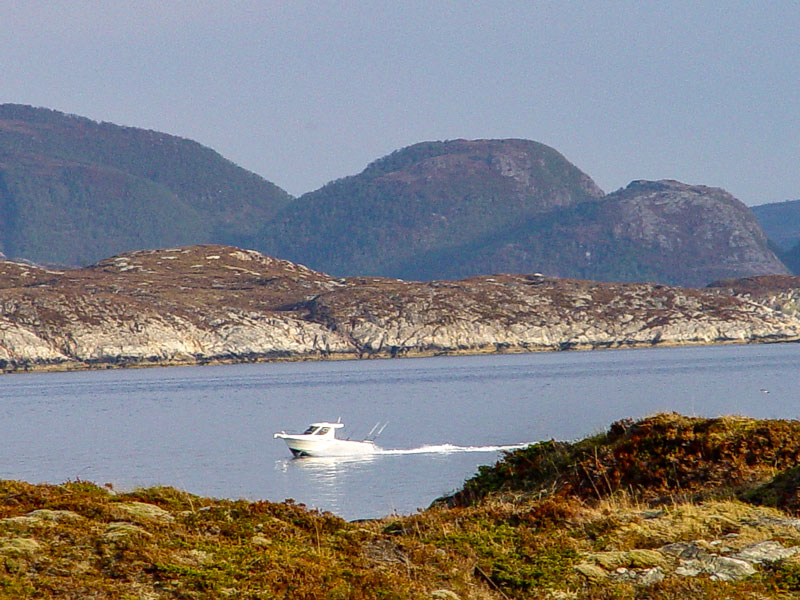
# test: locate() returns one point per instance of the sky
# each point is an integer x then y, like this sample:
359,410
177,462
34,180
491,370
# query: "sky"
303,93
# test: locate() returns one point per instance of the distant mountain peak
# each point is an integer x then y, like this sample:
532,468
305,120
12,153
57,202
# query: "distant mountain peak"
522,161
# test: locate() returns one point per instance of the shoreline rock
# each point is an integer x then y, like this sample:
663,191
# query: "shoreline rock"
216,304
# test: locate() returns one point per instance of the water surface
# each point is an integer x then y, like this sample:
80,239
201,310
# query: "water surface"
208,430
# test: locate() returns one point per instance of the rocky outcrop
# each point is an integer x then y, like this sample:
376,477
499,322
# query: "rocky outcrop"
662,231
216,303
703,232
778,292
747,547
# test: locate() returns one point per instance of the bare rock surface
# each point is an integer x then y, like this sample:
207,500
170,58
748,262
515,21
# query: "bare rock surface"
756,539
205,304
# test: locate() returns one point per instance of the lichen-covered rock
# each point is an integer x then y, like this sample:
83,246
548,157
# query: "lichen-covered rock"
768,551
18,546
696,560
592,572
635,559
444,595
122,532
44,514
142,512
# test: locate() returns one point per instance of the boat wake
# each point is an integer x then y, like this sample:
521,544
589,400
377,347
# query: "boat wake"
448,449
325,462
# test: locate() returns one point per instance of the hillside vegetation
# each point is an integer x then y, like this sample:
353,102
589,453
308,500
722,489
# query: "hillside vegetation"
73,191
781,222
664,508
455,209
422,199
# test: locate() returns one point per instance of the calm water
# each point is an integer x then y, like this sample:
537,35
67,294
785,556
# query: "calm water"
208,430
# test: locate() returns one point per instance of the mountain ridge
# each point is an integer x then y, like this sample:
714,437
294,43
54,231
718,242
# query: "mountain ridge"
426,196
73,191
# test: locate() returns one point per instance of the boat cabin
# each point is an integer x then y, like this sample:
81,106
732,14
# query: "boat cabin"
323,429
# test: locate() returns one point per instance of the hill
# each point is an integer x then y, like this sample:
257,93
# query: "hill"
448,210
662,508
73,191
780,222
791,258
211,303
663,231
426,198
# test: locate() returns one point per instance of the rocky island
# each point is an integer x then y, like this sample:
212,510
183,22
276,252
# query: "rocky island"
204,304
663,508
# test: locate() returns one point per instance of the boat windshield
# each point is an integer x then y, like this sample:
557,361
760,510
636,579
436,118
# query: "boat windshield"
311,430
323,431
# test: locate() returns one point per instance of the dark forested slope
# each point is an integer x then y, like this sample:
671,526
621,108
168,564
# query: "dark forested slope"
73,190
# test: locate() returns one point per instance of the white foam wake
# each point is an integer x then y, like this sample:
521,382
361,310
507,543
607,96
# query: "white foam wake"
449,448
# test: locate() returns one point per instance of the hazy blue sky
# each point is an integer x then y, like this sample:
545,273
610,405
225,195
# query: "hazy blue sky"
306,92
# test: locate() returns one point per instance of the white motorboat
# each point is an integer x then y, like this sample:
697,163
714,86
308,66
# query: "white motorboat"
320,440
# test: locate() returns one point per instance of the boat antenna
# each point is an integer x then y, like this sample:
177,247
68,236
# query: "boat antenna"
374,427
371,437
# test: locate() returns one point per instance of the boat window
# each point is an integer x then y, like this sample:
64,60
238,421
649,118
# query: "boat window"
310,430
324,430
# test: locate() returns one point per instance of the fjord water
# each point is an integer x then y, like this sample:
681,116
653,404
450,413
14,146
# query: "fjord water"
208,430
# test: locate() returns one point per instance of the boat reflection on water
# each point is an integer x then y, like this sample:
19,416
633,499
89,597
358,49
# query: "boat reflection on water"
330,476
325,463
335,479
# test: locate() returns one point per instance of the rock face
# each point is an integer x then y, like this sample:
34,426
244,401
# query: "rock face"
701,233
663,231
217,303
731,558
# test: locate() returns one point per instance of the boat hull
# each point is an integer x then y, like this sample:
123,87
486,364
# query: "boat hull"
305,445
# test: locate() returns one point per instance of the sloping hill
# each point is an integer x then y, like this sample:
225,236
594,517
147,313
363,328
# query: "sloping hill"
663,231
449,210
218,303
781,222
430,197
73,191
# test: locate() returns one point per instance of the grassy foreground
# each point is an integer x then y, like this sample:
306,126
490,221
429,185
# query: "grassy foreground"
664,508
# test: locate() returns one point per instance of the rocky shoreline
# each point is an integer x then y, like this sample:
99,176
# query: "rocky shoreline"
218,304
